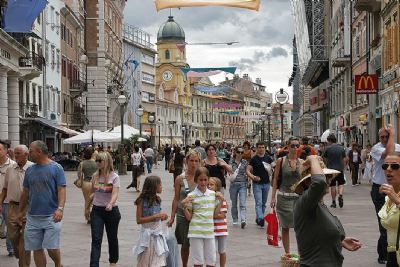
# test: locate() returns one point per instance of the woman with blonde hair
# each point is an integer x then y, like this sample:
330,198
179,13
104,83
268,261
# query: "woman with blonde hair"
105,212
184,184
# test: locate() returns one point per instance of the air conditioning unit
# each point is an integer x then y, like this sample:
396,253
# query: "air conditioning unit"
378,113
53,116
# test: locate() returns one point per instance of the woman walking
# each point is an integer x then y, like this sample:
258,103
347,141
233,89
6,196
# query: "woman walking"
105,212
247,155
85,171
178,161
238,187
183,186
389,214
287,173
354,163
216,167
136,159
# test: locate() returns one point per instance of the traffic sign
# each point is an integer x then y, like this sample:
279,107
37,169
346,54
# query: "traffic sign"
282,97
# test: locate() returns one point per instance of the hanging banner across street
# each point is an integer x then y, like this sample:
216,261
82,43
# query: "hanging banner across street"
248,4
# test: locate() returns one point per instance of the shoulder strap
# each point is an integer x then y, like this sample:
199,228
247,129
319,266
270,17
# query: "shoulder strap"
185,183
398,235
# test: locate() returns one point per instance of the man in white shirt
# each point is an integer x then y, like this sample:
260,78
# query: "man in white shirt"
5,163
149,155
379,152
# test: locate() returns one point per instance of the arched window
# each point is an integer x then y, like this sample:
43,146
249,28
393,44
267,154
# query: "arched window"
167,54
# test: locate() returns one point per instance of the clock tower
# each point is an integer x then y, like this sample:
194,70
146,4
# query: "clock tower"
170,81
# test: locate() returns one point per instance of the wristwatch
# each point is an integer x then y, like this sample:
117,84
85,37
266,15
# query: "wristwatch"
61,209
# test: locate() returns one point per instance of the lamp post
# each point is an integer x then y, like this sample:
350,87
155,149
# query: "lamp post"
268,111
183,134
282,98
171,124
140,112
159,133
121,100
151,122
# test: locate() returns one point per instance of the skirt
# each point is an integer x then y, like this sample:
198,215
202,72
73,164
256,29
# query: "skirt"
284,210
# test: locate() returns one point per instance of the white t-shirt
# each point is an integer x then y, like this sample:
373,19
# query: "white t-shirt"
376,154
136,157
355,157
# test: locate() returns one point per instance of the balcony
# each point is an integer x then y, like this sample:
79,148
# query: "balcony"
76,119
367,5
76,88
28,110
31,65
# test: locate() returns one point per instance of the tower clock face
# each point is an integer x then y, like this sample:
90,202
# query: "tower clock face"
167,75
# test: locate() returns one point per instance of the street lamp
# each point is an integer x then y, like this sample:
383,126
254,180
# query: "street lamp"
121,100
159,133
140,112
183,134
171,124
151,122
282,98
268,111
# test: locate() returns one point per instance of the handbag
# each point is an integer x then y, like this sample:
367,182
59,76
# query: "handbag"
171,167
232,177
272,230
78,182
397,242
173,254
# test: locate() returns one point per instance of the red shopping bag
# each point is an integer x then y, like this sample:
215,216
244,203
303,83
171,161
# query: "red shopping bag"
272,228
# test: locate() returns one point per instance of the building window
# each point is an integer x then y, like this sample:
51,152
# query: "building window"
53,61
40,97
167,54
46,53
58,61
148,78
148,59
34,93
63,67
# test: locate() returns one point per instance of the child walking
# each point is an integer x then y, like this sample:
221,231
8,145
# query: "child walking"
200,207
220,222
152,249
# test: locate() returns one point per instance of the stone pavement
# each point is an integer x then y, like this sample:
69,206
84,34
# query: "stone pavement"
246,247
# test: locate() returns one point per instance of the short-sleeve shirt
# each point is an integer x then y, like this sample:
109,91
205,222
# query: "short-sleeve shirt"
376,154
202,207
136,157
42,182
334,155
258,168
241,175
103,192
14,179
221,225
201,151
149,153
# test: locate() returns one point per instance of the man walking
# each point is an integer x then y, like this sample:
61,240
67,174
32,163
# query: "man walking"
149,155
167,156
257,171
44,189
335,157
5,163
200,150
12,193
379,152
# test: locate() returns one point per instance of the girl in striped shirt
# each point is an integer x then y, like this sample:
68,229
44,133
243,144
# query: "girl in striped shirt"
200,207
220,222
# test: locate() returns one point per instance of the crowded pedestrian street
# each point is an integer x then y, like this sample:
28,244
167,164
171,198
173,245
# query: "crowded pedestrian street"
246,247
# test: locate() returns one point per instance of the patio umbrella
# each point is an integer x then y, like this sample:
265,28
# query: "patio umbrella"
324,136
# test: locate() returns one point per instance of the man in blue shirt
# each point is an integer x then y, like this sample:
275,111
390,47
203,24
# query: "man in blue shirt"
44,191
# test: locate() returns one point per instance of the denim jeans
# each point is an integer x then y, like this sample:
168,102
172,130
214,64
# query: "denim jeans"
5,215
379,200
149,163
235,190
110,219
260,192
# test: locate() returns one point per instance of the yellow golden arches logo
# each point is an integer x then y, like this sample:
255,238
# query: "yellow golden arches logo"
367,81
366,84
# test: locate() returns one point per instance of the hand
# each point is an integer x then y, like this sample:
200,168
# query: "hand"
162,216
388,190
273,202
219,196
390,130
170,222
187,200
58,215
351,244
256,178
109,207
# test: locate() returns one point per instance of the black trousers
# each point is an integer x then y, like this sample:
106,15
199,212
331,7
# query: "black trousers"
392,260
379,200
166,162
110,219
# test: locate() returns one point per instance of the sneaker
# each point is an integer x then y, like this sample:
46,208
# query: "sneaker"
243,224
340,201
10,254
333,205
235,222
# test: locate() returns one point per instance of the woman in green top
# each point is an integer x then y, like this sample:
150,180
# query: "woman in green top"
85,171
287,171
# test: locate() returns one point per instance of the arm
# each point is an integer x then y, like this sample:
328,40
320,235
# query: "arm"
80,171
188,208
23,203
114,197
58,214
227,167
390,146
222,213
249,172
177,189
277,171
140,219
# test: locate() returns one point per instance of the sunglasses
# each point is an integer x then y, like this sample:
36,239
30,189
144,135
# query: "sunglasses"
294,146
239,152
393,166
99,160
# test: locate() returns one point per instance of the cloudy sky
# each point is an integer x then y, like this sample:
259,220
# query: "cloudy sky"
265,37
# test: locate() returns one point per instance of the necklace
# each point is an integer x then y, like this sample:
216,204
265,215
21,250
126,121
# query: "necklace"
290,163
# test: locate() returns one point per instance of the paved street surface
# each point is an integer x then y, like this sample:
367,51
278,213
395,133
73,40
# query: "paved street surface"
245,247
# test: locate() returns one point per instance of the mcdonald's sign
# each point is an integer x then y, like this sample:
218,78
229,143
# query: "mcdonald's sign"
366,84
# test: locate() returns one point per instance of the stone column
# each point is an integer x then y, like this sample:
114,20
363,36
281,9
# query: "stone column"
3,104
13,109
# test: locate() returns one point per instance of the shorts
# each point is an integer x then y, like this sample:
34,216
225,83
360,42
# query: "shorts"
220,243
339,180
202,251
42,232
14,230
182,231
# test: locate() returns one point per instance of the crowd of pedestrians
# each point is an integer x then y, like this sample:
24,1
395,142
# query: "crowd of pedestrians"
32,198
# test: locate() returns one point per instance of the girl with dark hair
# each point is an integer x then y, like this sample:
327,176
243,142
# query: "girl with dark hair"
151,249
354,163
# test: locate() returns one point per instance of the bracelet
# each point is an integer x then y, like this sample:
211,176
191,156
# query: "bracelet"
61,209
